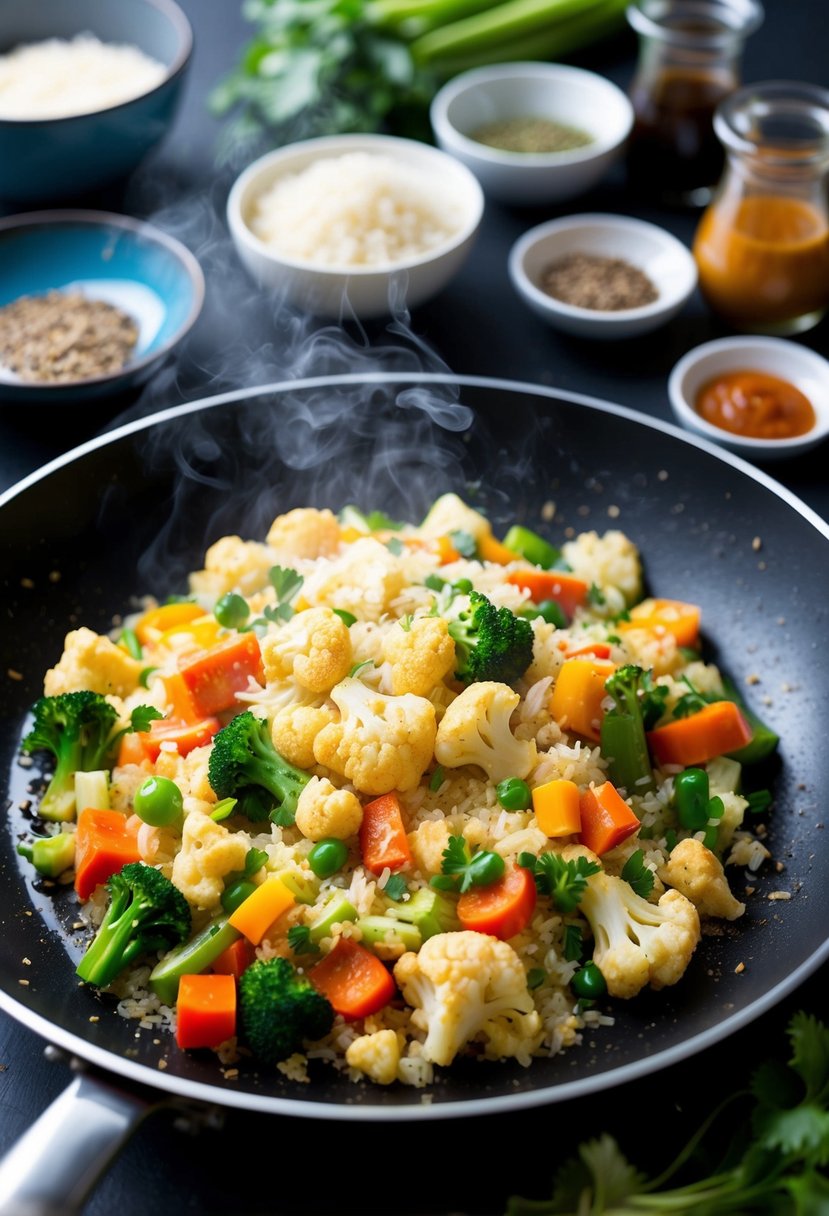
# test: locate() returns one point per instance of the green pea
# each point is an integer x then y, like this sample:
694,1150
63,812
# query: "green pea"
588,982
232,610
514,794
327,857
691,797
235,893
158,801
553,614
485,869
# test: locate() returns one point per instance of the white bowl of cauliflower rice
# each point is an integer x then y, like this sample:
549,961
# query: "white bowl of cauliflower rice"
362,225
387,795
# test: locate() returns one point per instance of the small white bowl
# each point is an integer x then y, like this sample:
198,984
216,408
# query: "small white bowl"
664,259
360,290
572,96
800,366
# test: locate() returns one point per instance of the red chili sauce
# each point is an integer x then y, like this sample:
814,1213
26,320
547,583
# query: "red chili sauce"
755,405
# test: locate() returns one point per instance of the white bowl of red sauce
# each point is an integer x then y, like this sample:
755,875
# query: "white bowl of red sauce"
765,398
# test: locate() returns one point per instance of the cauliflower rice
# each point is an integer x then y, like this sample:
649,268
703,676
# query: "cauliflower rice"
358,685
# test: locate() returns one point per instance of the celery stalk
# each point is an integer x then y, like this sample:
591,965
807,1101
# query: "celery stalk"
490,29
414,17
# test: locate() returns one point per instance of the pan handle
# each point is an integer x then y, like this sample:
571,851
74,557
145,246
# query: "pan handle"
55,1164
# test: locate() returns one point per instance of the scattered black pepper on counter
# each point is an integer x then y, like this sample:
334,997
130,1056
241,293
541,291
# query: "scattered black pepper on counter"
601,283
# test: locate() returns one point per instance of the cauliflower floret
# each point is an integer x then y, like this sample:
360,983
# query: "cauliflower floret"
610,561
208,852
475,730
381,743
420,656
377,1055
449,513
232,564
466,986
427,844
305,532
323,810
91,661
636,942
314,648
698,874
363,580
294,729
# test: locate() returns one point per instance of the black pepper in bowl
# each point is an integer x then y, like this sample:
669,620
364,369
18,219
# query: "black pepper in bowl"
604,284
62,337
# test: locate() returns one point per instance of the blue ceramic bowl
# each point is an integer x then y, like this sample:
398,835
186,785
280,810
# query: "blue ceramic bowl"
50,160
114,258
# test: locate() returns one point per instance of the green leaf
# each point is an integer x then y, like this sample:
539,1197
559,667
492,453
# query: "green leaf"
285,582
637,874
465,543
223,809
615,1179
395,546
573,947
142,716
564,881
299,939
396,887
810,1055
535,978
436,780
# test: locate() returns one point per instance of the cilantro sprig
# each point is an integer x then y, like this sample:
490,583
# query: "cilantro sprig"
563,881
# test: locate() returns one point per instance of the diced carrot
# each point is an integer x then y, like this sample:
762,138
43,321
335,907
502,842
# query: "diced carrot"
568,591
383,839
666,616
185,735
131,749
503,908
205,1010
235,959
180,702
491,550
712,731
353,979
600,650
446,551
257,913
213,677
606,819
576,700
556,807
156,621
105,842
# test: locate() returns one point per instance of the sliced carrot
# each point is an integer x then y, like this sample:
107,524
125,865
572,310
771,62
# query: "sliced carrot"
205,1010
156,621
556,808
353,979
666,616
606,819
257,913
446,551
235,959
213,677
383,839
105,842
567,590
712,731
503,908
131,749
491,550
600,650
576,700
185,735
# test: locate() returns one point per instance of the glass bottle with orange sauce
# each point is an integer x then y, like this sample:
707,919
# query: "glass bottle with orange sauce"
689,60
762,245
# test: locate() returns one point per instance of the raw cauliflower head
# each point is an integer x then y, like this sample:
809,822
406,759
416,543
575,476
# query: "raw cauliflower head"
305,533
313,648
467,986
421,656
695,871
381,743
476,730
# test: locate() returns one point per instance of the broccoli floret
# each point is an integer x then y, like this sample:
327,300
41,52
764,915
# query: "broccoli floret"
279,1009
146,913
244,764
79,729
490,643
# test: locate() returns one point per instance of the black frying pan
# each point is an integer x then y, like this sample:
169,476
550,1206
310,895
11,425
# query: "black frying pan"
134,511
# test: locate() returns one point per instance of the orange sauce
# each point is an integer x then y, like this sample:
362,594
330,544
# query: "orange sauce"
763,260
755,405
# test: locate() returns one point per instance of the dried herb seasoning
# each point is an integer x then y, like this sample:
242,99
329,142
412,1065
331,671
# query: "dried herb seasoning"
61,337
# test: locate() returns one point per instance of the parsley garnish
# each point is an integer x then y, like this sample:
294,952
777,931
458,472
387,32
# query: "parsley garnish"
536,977
573,943
465,543
299,939
396,887
395,546
142,716
462,869
564,881
759,801
595,595
637,874
286,583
